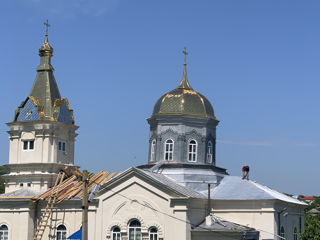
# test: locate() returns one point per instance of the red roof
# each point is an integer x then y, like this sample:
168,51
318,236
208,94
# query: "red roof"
310,198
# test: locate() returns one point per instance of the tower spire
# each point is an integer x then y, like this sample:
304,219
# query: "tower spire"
45,88
184,82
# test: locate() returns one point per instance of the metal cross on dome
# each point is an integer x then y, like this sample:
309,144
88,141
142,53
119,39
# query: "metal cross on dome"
47,26
185,55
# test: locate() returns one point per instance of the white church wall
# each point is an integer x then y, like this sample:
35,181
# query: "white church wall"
134,199
258,214
17,219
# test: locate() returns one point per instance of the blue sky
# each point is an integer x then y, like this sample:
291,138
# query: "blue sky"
257,61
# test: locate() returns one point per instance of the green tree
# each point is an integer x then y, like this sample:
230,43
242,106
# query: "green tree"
311,228
3,170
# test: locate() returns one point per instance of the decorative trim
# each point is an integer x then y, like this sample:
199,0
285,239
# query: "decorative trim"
118,208
169,130
157,225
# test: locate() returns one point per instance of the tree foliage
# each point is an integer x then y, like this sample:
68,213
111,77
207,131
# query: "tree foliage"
3,170
312,222
311,228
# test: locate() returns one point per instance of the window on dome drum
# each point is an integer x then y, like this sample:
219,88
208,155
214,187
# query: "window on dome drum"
153,233
61,232
295,234
4,232
168,151
153,151
28,145
192,152
134,230
116,234
209,152
61,146
282,232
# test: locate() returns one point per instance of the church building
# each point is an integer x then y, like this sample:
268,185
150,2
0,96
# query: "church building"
180,193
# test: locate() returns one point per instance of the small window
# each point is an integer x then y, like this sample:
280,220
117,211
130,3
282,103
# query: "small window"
21,185
192,152
29,185
61,232
4,232
116,234
209,152
168,150
282,232
134,230
295,234
153,233
28,145
61,146
153,151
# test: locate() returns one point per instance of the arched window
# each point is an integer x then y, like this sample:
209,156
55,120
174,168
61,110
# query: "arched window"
153,233
4,232
116,234
295,234
209,152
61,232
134,230
168,150
192,151
153,150
282,232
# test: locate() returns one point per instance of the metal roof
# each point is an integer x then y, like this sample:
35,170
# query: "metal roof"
235,188
22,192
183,101
173,185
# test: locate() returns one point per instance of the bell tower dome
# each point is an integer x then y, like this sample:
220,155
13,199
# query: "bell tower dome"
183,126
42,133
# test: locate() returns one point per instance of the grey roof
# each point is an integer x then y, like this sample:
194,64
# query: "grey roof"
21,193
44,101
223,226
235,188
173,185
314,211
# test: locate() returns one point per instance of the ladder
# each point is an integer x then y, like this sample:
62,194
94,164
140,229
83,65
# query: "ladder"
43,223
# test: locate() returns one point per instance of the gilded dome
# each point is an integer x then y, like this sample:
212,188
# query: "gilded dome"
184,101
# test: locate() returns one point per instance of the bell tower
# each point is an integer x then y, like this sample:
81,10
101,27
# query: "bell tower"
42,133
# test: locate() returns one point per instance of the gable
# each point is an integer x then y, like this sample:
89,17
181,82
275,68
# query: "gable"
156,181
65,114
28,112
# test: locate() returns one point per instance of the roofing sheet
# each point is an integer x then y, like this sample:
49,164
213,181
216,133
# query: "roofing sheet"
162,179
22,192
220,224
235,188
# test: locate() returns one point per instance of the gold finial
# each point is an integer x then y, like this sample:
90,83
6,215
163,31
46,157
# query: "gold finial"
47,27
185,55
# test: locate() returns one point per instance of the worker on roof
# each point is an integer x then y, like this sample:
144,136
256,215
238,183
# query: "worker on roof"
245,172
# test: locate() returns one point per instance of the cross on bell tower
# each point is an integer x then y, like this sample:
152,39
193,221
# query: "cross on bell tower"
46,23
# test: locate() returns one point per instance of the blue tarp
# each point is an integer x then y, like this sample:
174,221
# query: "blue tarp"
76,235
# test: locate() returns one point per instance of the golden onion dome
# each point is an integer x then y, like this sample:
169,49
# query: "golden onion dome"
183,101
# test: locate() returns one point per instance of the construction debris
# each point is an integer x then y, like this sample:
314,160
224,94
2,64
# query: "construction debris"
68,185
